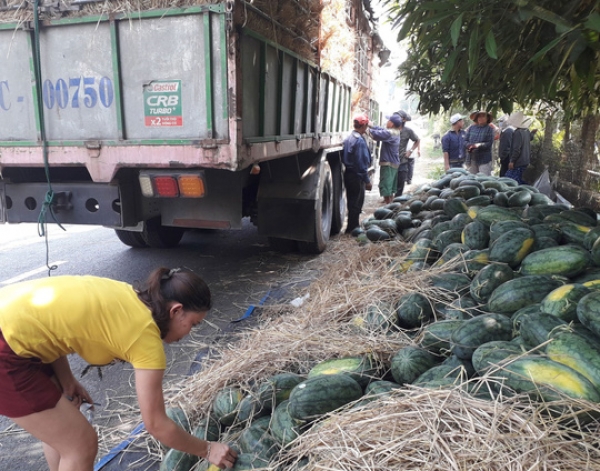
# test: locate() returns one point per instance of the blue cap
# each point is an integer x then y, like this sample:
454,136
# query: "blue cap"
396,119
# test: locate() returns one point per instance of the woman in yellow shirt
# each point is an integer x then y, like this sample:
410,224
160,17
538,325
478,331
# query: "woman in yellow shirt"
42,321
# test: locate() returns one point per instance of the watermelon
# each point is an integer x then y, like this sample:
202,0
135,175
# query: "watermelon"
535,328
225,404
562,302
464,307
258,441
381,387
436,336
452,282
565,260
452,251
501,199
491,354
375,234
208,429
519,199
322,394
413,310
588,311
440,372
512,247
462,364
501,227
591,237
248,461
380,317
546,379
474,261
476,235
416,206
542,243
515,294
577,352
579,217
466,192
176,460
423,251
477,331
383,213
493,213
250,407
178,416
409,363
454,206
546,230
459,221
444,239
488,279
361,368
284,428
573,233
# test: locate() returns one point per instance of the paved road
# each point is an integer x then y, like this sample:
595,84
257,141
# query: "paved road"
238,266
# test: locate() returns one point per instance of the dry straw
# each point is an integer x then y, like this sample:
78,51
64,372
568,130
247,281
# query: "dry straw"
414,429
314,30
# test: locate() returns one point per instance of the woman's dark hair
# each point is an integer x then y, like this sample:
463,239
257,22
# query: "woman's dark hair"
165,286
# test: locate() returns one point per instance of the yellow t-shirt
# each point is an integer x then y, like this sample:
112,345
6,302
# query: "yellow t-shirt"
98,318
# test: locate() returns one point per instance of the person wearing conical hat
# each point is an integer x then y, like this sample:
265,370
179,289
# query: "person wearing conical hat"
479,141
520,147
506,133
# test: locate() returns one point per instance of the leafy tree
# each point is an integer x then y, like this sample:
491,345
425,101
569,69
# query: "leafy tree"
493,53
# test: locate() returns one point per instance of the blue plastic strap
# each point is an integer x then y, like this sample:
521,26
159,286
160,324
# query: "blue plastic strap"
119,448
251,308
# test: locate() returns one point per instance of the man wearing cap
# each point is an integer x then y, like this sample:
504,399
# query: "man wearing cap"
453,143
479,141
389,159
357,160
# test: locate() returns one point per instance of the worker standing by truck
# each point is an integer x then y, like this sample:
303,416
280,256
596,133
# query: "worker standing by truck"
357,160
44,320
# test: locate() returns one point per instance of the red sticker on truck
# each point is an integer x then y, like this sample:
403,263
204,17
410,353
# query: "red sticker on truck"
162,103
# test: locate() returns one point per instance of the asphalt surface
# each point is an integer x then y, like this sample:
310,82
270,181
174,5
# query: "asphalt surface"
239,267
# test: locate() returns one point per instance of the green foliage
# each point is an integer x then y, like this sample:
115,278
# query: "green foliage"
500,52
436,172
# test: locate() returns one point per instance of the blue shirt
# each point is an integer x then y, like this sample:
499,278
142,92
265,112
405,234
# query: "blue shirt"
356,157
390,143
483,135
454,144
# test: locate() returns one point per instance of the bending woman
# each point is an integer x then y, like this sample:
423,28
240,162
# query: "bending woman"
42,321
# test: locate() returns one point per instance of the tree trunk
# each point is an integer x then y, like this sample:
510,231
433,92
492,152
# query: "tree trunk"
547,151
589,160
567,135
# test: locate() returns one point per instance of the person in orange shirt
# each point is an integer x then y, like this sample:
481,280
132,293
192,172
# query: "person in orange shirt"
44,320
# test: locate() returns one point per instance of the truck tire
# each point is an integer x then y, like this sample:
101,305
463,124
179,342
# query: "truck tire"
158,236
322,215
339,201
131,238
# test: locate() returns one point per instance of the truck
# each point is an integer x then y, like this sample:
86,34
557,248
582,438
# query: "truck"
154,118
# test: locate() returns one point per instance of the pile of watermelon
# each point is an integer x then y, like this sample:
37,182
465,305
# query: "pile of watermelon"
261,421
510,307
521,280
